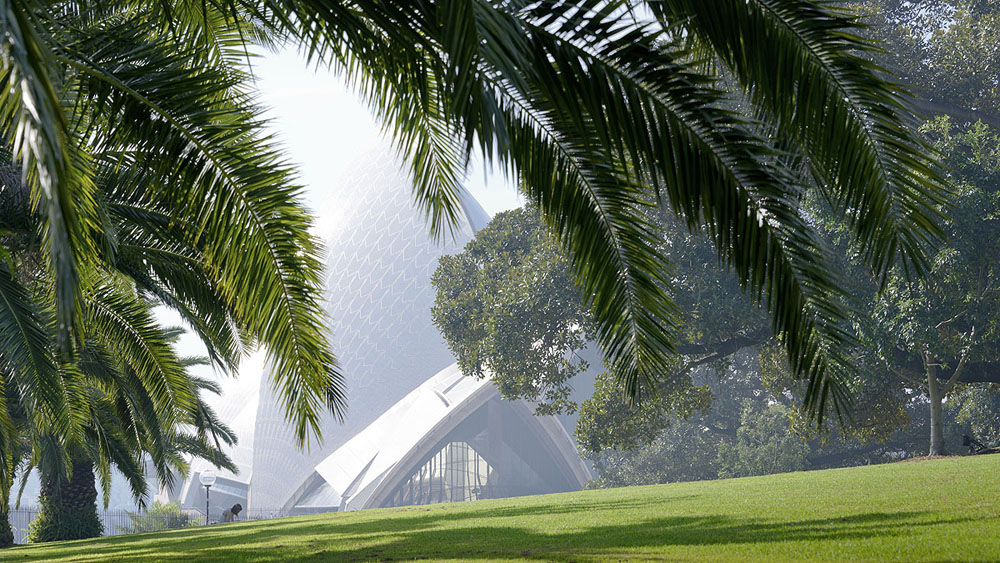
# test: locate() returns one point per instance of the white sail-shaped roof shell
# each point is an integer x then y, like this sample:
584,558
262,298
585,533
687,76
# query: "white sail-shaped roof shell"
366,469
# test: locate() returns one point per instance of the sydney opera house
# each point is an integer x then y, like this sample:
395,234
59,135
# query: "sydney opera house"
416,431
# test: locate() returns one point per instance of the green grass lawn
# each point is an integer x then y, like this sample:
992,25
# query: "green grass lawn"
943,509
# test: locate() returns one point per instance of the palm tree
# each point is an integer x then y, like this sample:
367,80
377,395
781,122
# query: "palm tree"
123,396
176,196
602,110
124,430
68,500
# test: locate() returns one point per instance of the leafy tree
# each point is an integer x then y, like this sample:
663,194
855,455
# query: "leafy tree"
507,291
945,50
763,444
507,297
915,340
661,443
977,408
599,113
941,332
680,452
743,429
753,426
938,334
508,309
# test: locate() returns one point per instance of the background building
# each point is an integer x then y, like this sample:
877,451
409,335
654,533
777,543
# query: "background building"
416,431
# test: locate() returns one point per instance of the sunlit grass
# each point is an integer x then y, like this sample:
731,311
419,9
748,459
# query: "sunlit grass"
944,509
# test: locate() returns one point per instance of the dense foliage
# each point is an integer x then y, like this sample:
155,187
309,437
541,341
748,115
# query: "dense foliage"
508,309
511,312
939,334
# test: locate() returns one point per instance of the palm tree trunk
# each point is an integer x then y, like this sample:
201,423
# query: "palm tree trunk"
6,532
69,508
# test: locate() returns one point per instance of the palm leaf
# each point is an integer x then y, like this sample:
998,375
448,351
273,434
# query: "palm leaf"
31,373
35,125
803,64
207,147
125,325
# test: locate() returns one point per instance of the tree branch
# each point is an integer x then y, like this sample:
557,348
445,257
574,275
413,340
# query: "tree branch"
961,367
929,108
726,347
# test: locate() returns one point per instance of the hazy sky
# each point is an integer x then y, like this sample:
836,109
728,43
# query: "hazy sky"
325,129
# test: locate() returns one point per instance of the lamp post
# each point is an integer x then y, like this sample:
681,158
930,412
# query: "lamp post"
207,478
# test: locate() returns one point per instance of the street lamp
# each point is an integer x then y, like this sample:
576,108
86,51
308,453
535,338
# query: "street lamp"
207,478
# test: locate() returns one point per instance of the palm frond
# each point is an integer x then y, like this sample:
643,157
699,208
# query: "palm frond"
199,446
125,326
32,373
225,176
804,65
592,125
175,274
598,113
139,424
107,446
35,125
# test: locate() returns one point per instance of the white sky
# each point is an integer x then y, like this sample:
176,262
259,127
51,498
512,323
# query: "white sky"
324,129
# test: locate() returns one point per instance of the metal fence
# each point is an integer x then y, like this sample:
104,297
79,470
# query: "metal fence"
122,522
262,514
20,519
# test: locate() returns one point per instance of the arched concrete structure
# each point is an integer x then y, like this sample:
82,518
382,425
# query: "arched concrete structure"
460,422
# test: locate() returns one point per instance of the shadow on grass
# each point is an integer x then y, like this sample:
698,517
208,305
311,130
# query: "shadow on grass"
470,543
421,532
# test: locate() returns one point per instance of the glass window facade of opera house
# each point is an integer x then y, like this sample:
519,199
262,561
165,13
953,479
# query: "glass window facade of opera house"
416,431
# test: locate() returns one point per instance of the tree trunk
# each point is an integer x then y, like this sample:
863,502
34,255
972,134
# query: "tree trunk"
68,508
937,426
6,532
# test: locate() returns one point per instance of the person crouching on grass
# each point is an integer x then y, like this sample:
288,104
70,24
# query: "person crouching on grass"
231,514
